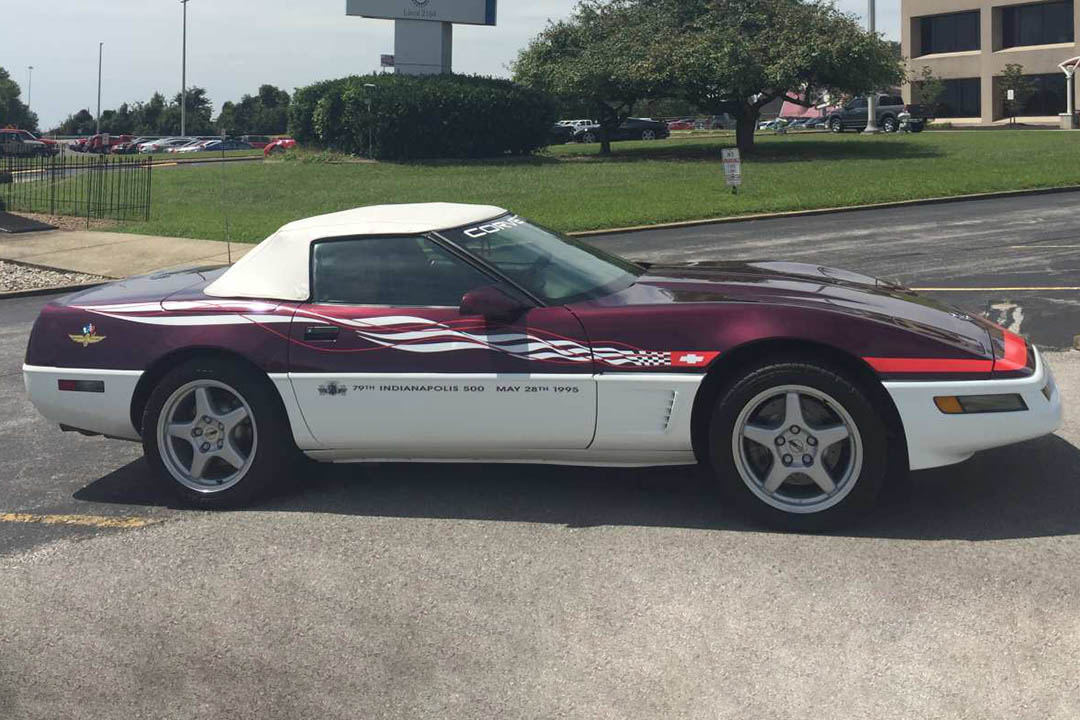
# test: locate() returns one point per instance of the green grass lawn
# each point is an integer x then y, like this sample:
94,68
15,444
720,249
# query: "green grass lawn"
572,188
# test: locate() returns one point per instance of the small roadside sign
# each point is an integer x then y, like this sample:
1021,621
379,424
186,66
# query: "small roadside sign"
386,60
732,168
1010,94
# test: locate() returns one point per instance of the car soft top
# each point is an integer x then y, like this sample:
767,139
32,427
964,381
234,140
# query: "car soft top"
278,268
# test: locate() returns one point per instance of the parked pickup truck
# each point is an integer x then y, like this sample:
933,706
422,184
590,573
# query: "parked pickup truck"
888,112
12,143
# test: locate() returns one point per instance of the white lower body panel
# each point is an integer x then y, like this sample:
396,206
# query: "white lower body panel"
107,413
623,419
935,439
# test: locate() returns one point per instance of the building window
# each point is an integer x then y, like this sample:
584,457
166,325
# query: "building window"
1040,24
954,32
1047,97
960,98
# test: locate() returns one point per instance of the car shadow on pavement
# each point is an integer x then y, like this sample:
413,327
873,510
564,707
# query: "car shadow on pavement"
1029,490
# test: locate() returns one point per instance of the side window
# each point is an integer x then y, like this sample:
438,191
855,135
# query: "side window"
396,271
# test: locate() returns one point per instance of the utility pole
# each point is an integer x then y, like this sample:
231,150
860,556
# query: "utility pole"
183,75
99,51
29,87
871,100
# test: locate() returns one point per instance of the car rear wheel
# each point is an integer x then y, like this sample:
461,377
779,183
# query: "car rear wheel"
889,124
799,446
216,434
648,134
836,126
588,137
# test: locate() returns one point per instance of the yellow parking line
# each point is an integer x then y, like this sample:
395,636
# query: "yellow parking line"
98,521
1019,288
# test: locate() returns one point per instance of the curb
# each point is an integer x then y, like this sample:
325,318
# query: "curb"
49,291
827,211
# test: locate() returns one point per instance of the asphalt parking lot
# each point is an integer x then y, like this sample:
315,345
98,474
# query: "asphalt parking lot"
398,591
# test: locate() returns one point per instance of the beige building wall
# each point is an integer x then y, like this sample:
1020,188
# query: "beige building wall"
989,61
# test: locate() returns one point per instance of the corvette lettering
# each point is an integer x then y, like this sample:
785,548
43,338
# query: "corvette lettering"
494,227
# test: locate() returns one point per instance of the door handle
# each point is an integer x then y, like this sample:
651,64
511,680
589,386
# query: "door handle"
322,333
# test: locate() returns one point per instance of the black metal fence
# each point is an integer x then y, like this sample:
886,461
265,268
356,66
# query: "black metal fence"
100,187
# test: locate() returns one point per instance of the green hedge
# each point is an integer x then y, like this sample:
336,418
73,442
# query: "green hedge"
429,116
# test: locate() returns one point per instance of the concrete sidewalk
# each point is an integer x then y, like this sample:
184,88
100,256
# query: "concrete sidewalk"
112,254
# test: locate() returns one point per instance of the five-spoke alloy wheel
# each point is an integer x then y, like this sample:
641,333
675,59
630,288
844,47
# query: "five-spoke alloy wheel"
797,449
798,445
217,432
207,436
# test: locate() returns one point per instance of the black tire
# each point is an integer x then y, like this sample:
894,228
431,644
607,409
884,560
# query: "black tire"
889,124
648,134
836,126
588,137
275,453
863,486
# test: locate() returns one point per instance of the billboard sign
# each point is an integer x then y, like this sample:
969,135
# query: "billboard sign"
468,12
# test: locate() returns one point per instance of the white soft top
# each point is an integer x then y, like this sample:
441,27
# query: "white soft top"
277,269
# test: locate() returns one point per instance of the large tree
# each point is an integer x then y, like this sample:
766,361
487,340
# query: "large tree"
739,55
603,55
13,111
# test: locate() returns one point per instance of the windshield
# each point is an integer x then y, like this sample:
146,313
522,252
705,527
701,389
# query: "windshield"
554,268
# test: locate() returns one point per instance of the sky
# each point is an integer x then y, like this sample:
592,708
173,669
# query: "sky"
236,45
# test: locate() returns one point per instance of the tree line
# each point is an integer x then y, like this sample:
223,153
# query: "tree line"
265,113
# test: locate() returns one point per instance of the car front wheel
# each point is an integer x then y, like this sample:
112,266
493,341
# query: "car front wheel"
836,126
216,433
799,446
648,134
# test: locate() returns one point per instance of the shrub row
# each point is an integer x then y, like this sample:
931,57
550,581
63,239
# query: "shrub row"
429,116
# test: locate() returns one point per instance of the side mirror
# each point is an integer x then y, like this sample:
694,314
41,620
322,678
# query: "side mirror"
491,303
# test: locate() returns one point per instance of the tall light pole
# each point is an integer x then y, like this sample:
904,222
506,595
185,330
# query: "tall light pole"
100,46
29,87
871,100
183,75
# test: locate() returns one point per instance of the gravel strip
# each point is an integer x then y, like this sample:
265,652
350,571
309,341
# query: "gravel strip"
15,277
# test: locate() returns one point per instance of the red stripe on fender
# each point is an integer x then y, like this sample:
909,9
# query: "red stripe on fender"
1015,354
929,365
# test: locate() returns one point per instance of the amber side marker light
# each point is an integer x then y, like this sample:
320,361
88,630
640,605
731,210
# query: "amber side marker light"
970,404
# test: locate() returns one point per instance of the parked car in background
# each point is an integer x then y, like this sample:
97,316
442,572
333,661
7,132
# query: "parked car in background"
560,134
225,145
103,143
163,144
578,123
889,107
193,146
52,146
684,124
256,141
130,147
14,144
278,146
630,129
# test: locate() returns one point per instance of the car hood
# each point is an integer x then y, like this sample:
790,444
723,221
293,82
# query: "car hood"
807,286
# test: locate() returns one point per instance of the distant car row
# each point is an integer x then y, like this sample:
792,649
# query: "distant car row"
127,145
588,131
